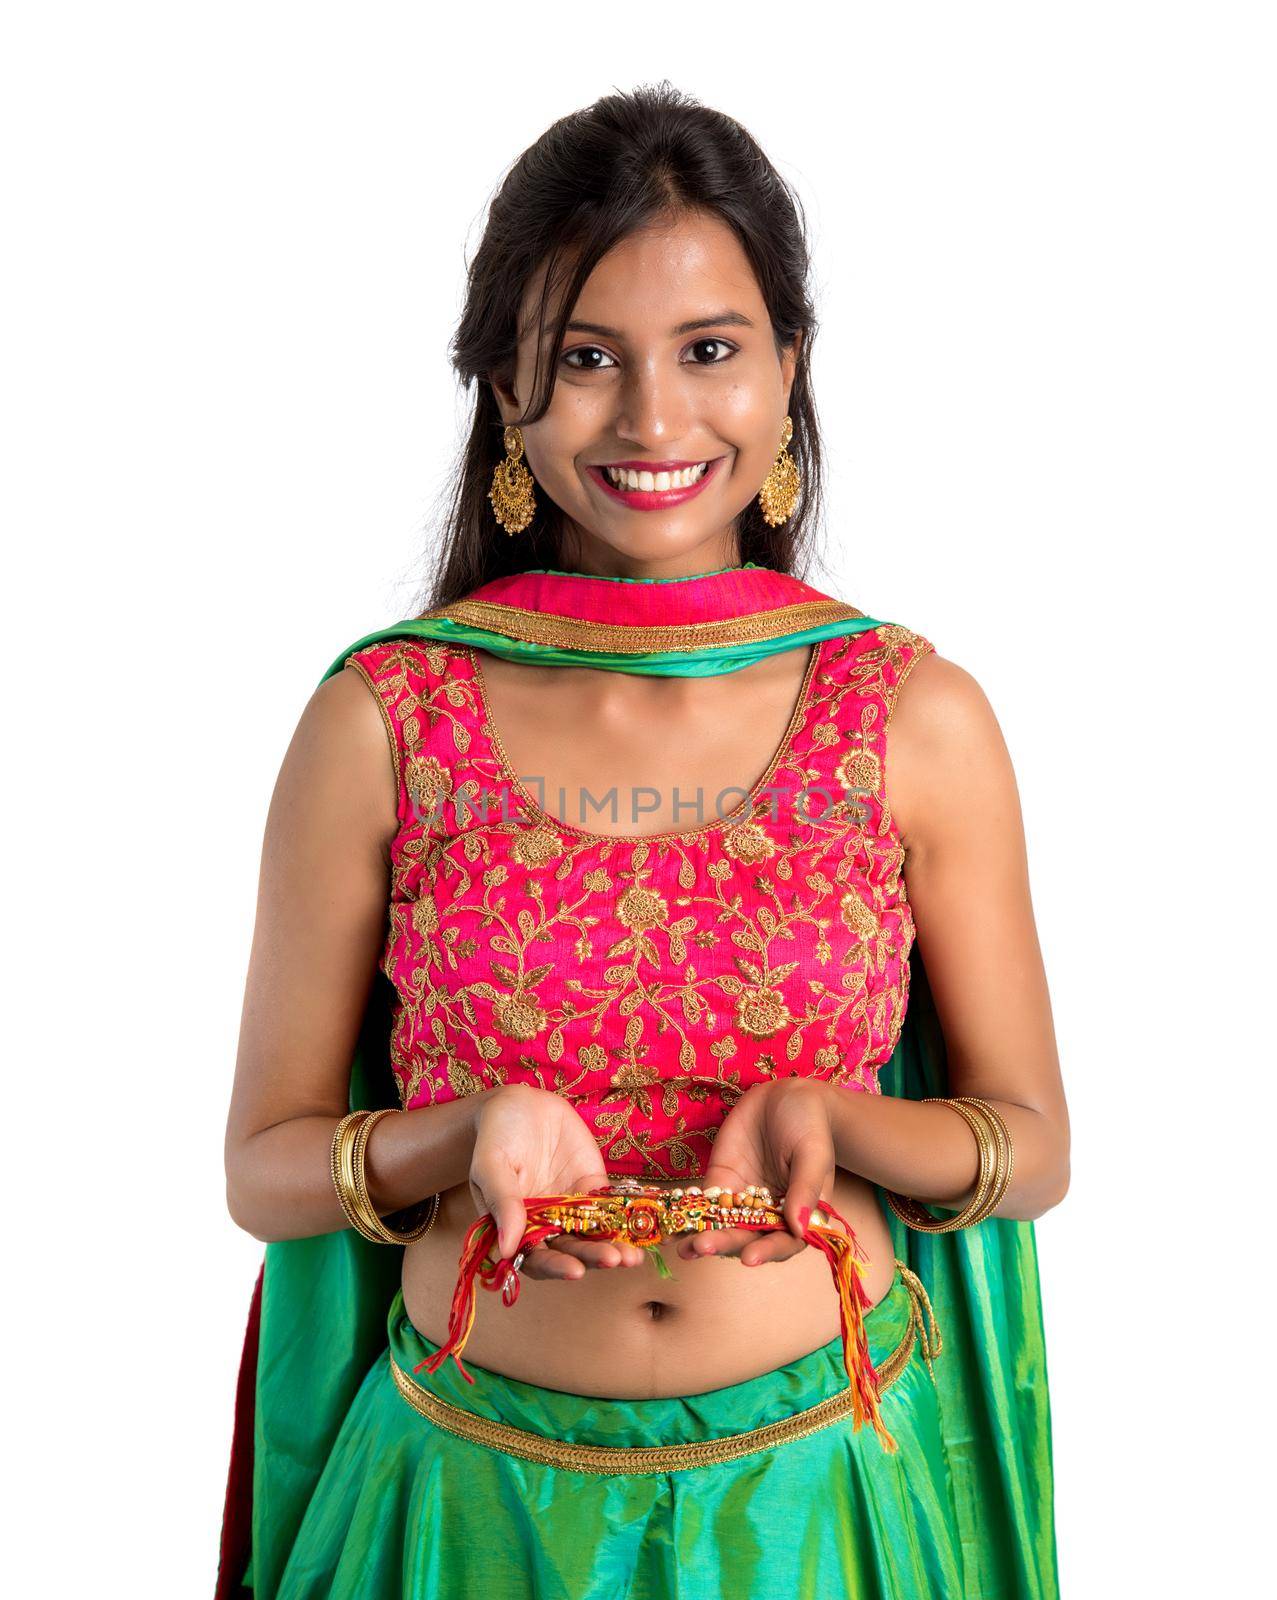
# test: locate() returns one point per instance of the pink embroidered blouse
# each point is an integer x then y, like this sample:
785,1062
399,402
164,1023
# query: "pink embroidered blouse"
649,980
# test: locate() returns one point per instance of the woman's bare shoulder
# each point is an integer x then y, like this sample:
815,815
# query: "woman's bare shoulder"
337,759
946,753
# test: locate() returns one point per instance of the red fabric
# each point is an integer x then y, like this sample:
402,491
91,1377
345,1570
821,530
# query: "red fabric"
237,1514
638,603
648,981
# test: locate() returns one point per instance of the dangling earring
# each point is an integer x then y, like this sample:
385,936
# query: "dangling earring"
511,493
779,493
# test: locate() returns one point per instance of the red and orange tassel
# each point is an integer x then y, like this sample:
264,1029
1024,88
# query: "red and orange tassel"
644,1218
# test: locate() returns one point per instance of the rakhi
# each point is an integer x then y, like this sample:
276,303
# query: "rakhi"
630,1212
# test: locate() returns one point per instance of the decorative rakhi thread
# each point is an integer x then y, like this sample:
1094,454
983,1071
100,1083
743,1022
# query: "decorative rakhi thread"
629,1212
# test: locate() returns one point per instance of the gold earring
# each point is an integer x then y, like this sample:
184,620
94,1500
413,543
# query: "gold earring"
779,493
511,494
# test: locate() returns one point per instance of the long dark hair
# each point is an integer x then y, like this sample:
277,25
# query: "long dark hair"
589,181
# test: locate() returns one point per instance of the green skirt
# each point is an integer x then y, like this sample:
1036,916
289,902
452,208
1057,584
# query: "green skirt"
503,1490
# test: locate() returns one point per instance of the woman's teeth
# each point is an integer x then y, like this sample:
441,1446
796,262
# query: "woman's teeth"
625,478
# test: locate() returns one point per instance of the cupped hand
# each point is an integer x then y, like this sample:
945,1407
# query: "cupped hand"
778,1134
530,1141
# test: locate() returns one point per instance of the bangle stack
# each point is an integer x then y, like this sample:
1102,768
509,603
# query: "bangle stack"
997,1158
350,1140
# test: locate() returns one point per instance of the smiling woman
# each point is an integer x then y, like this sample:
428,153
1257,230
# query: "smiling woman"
472,1000
656,396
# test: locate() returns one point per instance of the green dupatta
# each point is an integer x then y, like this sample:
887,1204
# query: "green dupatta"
317,1318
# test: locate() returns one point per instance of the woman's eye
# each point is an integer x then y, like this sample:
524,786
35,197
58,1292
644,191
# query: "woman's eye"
592,358
589,365
724,351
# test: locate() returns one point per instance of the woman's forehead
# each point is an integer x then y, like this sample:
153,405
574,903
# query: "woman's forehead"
659,282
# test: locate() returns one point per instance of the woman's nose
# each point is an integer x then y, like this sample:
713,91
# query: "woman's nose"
653,408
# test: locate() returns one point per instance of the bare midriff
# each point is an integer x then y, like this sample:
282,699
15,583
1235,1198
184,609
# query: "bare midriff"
628,1332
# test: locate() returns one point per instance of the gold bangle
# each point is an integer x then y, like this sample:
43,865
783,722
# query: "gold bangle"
349,1141
343,1168
997,1131
1006,1149
997,1177
417,1219
915,1215
352,1188
342,1172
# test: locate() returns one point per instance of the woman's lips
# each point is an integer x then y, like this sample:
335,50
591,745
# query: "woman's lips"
654,499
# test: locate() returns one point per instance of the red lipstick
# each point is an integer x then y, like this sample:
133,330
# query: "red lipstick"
654,499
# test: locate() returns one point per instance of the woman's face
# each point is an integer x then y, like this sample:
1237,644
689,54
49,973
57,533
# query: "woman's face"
668,358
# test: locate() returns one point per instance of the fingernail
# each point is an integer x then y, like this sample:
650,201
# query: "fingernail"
804,1216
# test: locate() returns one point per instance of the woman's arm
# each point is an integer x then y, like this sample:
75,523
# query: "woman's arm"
320,929
954,798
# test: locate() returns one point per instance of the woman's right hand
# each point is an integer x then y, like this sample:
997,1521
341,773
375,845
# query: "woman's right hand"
530,1141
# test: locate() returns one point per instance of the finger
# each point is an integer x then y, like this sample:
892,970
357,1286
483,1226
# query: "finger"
775,1246
544,1263
551,1265
506,1208
596,1252
562,1257
715,1242
810,1174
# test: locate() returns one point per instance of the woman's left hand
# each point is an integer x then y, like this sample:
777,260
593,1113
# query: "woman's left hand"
779,1134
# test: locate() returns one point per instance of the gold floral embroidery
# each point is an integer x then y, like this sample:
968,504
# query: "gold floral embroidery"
639,909
517,1016
649,981
860,768
859,917
761,1012
535,847
748,843
427,780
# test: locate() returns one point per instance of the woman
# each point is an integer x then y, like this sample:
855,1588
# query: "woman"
623,786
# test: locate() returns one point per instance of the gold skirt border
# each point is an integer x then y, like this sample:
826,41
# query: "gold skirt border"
613,1459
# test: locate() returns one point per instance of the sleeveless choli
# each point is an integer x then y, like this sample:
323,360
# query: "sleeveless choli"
650,981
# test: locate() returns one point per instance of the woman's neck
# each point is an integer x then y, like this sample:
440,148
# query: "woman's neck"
590,557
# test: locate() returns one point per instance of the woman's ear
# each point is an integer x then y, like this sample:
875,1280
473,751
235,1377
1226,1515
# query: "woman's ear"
789,364
507,399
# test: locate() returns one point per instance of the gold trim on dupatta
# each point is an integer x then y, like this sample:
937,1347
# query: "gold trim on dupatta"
618,638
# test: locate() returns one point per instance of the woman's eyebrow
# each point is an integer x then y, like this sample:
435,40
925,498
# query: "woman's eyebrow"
733,319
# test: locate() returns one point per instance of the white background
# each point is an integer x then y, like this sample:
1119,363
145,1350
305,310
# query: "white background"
1045,266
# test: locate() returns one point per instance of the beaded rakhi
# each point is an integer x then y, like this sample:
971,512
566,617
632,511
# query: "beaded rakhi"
630,1212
